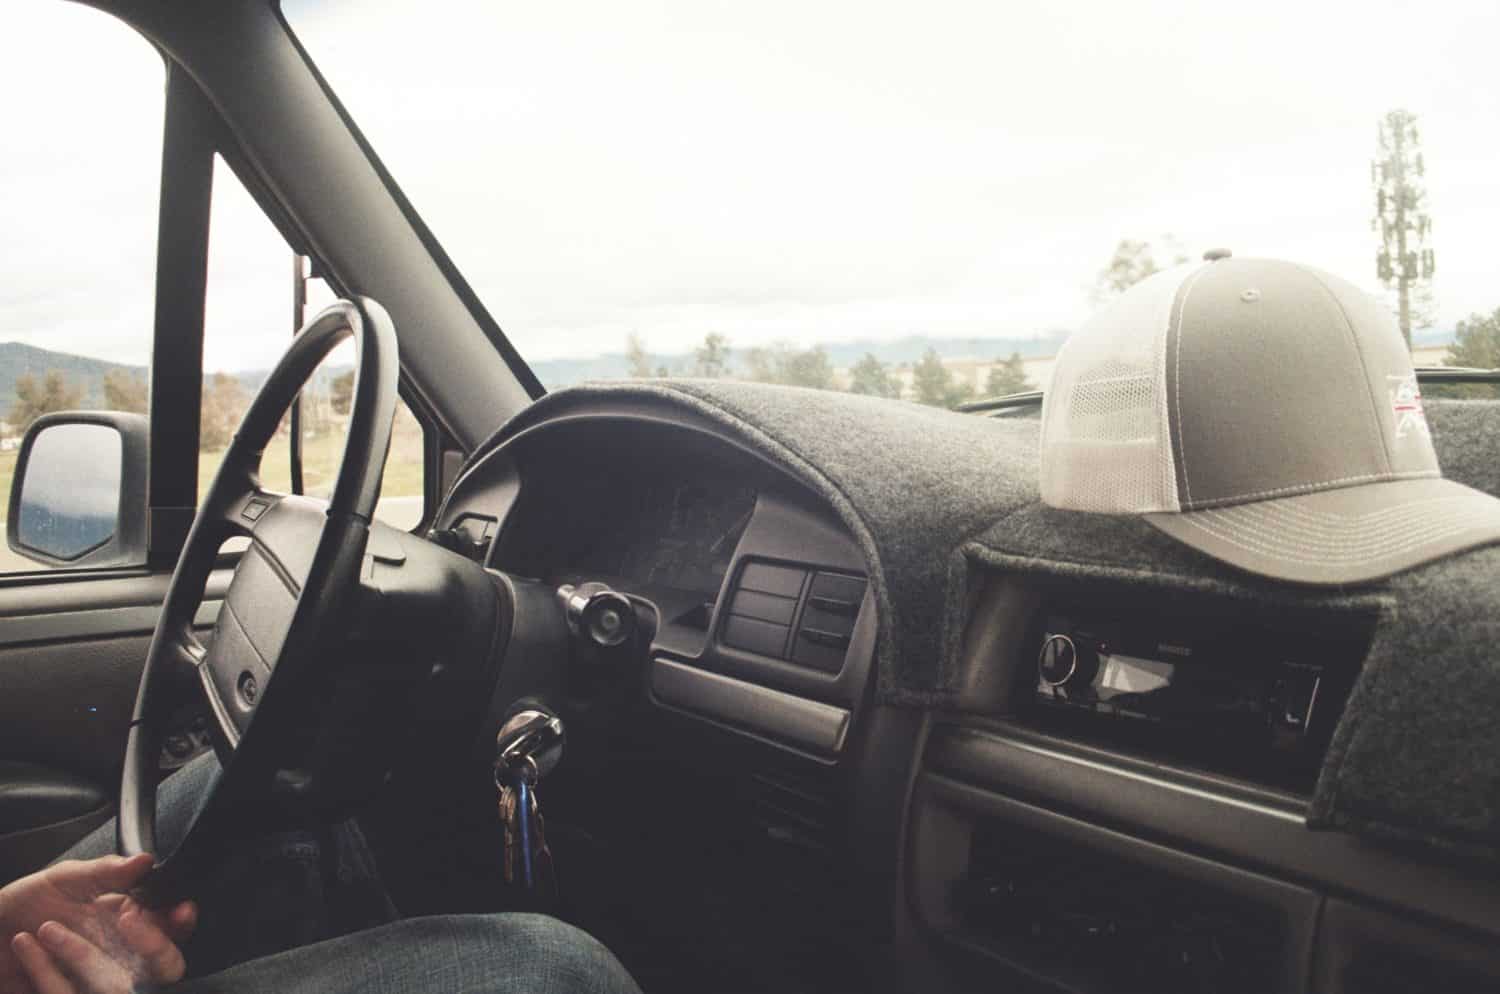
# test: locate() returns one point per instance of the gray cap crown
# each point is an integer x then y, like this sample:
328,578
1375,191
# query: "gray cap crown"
1263,412
1283,380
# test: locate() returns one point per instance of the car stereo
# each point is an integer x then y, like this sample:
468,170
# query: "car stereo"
1229,698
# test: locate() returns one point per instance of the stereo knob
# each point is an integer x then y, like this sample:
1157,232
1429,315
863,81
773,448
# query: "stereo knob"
1058,661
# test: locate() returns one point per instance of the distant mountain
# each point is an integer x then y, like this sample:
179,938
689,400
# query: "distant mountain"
912,347
893,352
18,359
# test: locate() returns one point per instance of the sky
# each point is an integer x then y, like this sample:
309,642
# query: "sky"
779,170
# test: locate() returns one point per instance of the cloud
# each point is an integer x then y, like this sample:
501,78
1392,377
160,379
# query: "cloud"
833,170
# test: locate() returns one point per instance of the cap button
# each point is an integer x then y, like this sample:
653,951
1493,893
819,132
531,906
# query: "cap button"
1215,254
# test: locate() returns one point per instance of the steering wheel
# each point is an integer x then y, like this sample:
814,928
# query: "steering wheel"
274,649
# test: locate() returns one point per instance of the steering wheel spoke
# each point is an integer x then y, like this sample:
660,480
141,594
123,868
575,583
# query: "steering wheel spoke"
186,677
185,655
229,731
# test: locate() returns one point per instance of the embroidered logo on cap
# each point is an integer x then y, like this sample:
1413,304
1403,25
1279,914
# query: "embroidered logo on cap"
1406,405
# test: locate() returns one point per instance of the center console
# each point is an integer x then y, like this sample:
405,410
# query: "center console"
1118,803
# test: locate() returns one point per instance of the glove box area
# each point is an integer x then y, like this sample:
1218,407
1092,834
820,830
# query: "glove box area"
1030,869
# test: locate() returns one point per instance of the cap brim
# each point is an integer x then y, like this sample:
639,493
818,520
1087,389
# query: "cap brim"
1347,535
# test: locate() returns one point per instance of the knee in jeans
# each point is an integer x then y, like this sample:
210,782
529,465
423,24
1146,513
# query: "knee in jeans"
561,957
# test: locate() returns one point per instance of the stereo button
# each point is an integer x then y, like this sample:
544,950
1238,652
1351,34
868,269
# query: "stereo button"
1058,660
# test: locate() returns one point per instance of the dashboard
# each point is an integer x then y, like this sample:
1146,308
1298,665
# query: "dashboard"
1111,797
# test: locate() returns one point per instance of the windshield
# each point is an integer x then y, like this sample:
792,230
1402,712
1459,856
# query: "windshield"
919,200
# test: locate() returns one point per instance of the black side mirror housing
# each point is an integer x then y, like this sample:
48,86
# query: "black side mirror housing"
78,497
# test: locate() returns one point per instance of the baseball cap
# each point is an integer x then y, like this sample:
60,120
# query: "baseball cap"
1263,412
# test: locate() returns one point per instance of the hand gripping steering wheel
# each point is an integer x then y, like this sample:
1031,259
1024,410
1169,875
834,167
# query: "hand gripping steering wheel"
274,655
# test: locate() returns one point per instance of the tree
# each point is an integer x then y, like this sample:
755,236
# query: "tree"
1007,378
33,398
711,359
808,368
636,356
1404,263
761,364
870,376
933,385
124,391
781,363
341,393
224,403
315,405
1132,262
1476,342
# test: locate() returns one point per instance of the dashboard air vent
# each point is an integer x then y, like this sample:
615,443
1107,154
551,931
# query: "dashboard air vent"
827,621
762,604
789,612
793,811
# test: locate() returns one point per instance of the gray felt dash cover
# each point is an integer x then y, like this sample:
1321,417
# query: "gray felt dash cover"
933,497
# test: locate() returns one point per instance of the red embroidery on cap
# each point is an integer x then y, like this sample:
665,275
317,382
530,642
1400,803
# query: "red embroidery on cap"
1406,405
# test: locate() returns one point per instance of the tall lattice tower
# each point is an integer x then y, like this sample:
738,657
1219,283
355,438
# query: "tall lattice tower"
1405,262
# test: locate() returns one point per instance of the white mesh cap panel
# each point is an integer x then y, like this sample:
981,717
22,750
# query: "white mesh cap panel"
1106,442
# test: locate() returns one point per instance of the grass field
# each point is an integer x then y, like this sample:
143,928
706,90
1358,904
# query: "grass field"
7,470
320,459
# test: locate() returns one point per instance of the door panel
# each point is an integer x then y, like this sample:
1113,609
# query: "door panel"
67,705
42,813
70,658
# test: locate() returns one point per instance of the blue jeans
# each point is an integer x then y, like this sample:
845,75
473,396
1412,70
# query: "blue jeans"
449,954
305,912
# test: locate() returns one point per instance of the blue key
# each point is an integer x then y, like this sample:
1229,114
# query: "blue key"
524,802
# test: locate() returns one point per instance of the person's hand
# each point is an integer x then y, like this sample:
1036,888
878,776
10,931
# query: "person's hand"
71,929
57,960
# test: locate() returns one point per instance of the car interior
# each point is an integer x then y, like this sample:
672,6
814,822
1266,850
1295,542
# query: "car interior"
797,660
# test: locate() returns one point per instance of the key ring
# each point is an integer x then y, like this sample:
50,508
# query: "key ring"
505,765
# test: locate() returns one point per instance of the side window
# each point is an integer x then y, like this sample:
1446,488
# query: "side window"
77,270
247,324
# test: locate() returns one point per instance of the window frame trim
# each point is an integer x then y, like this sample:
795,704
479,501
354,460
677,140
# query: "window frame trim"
188,144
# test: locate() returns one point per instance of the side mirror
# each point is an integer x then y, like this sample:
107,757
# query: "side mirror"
78,497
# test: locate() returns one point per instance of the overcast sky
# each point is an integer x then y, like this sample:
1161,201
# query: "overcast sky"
775,170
